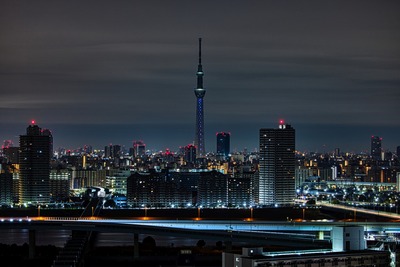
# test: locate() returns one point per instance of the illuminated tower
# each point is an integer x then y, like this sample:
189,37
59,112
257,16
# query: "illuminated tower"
200,92
277,165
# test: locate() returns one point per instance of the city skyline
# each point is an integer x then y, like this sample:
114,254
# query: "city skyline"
123,72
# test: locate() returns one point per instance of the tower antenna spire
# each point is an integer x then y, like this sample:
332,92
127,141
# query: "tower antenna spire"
200,51
200,69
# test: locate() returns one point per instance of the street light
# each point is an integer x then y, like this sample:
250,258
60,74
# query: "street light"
304,213
198,212
92,211
38,211
251,213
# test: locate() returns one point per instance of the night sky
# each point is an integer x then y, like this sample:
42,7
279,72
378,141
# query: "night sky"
100,72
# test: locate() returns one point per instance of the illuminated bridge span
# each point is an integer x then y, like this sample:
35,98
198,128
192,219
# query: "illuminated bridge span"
253,233
298,235
275,226
189,227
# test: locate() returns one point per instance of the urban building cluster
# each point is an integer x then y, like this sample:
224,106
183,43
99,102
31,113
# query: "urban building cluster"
33,173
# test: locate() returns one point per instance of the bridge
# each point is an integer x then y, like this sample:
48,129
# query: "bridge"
306,234
290,234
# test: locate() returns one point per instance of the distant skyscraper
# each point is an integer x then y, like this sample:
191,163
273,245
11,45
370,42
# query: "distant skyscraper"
112,151
200,92
277,165
34,160
337,152
376,147
190,153
139,148
223,145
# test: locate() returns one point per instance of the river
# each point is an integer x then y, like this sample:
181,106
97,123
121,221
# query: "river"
59,237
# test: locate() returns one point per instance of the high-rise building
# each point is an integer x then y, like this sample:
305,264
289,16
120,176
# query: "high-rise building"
112,151
200,92
376,147
223,145
139,148
190,153
276,182
34,160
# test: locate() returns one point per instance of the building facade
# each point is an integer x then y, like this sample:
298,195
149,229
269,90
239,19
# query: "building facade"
139,148
6,186
213,189
223,145
376,147
190,154
276,183
152,189
34,160
60,181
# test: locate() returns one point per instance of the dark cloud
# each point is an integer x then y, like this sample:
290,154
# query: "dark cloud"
134,63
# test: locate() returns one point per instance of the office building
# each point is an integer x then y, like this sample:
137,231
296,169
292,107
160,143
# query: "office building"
223,145
112,151
139,148
376,147
34,160
200,92
277,165
190,153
